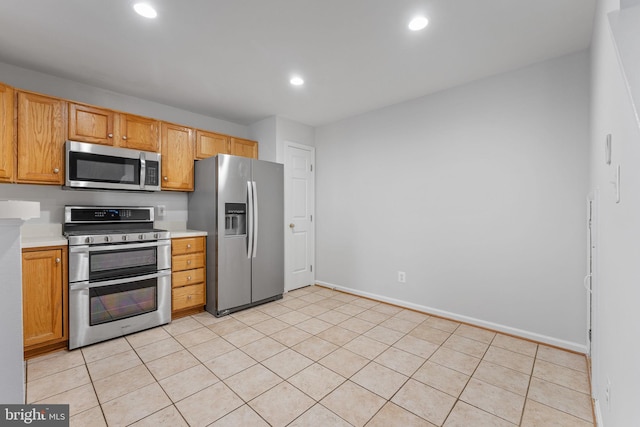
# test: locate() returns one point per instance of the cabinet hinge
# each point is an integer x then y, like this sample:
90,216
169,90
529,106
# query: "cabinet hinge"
311,218
311,168
311,269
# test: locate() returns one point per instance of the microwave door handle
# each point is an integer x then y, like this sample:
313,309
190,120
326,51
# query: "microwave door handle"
143,170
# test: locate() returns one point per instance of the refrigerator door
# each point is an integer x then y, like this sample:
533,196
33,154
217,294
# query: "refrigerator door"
268,246
234,263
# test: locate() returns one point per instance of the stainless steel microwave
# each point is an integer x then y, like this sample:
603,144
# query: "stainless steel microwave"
92,166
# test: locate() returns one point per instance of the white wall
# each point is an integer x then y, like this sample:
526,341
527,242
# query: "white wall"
617,280
477,193
273,132
49,85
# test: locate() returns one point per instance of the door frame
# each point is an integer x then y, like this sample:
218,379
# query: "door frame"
287,213
592,274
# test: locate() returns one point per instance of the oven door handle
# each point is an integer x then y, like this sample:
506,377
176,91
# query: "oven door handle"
119,247
88,284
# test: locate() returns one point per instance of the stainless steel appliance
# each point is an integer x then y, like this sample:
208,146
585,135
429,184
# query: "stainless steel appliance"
93,166
119,272
240,203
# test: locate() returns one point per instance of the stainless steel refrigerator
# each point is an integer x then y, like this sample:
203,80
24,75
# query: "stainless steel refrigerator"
240,203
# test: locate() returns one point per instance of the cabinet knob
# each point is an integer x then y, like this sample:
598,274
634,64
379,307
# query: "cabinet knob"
110,135
166,178
124,137
188,245
189,296
56,170
188,277
292,225
188,262
57,260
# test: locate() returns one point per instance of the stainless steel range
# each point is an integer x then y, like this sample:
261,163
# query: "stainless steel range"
119,272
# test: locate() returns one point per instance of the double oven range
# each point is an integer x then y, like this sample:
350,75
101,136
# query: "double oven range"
119,272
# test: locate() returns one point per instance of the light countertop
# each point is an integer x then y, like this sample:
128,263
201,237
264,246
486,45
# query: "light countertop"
41,235
187,233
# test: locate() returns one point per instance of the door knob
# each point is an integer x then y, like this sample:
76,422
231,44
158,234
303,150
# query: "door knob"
292,225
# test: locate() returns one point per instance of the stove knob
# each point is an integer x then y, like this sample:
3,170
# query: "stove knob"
106,238
88,240
124,237
155,235
141,236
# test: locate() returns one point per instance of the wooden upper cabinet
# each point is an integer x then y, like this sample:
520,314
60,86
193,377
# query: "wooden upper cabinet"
177,157
91,124
43,296
41,136
244,147
209,144
7,127
139,133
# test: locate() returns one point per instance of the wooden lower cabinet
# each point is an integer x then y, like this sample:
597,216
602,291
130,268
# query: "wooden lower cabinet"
188,276
44,299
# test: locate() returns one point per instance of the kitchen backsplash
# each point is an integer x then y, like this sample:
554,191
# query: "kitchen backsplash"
53,199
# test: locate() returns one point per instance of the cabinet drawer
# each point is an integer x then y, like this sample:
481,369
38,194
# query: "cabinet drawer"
187,245
187,277
187,262
187,296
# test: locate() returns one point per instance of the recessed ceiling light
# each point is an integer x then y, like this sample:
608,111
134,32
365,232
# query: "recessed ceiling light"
296,81
145,10
418,23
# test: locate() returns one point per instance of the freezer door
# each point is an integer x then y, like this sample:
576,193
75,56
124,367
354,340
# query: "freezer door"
233,285
268,254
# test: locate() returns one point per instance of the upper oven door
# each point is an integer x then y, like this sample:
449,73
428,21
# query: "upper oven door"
105,262
102,167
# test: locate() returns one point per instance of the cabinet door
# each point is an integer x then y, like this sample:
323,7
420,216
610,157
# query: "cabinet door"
177,157
139,133
42,296
209,144
91,124
244,148
41,136
7,157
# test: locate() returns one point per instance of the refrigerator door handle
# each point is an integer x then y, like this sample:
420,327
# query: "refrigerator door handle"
250,220
255,218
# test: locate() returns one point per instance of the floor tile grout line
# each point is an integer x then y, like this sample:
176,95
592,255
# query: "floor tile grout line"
359,334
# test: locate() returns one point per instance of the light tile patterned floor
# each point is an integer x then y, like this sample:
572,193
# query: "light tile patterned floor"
316,358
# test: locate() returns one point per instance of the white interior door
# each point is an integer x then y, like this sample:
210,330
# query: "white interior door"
299,211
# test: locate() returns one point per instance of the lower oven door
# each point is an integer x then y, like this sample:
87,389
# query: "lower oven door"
99,311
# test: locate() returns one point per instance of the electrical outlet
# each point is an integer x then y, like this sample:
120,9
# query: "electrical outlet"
402,277
161,211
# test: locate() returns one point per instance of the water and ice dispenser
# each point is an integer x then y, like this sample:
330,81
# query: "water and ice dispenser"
235,219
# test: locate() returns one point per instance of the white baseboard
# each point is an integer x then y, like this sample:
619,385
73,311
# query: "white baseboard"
596,408
569,345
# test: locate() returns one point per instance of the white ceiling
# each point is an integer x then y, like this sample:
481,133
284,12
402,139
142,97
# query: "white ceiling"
232,59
